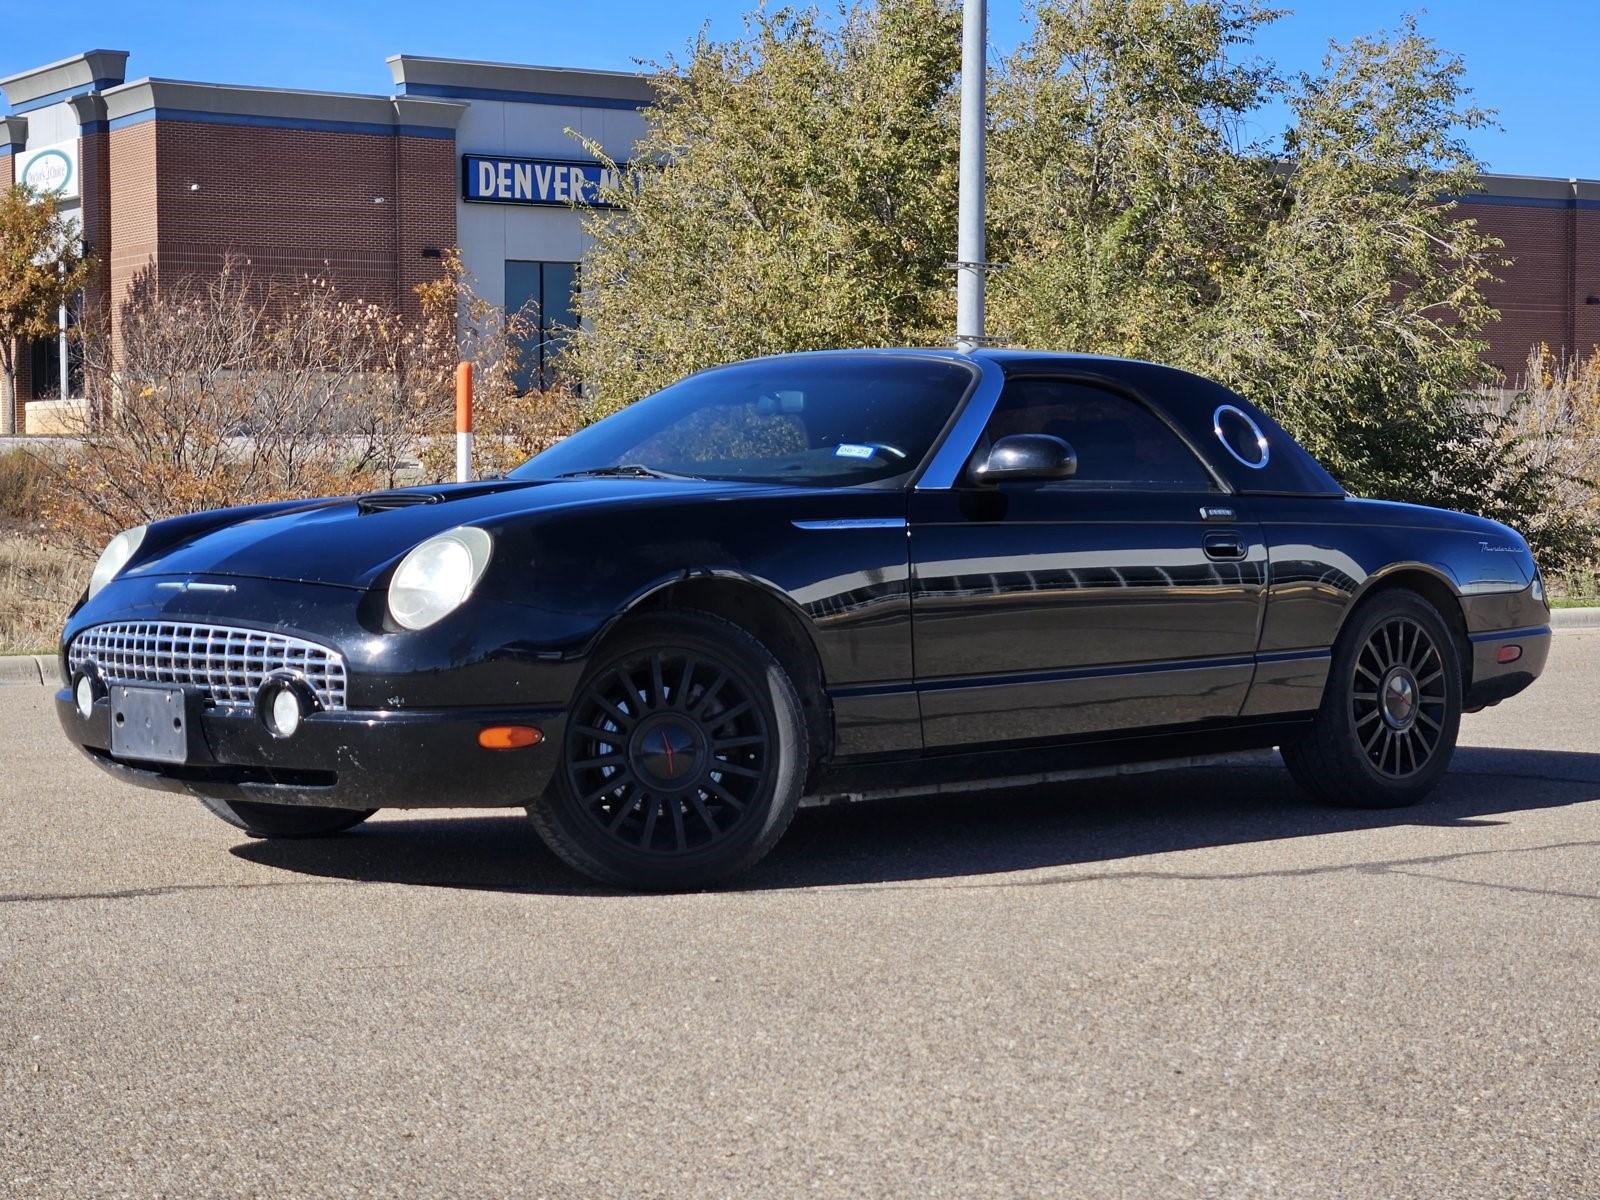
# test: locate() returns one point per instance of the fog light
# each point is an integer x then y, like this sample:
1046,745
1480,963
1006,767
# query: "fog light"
284,713
84,695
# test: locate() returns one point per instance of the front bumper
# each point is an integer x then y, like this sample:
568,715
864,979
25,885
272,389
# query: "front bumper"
410,758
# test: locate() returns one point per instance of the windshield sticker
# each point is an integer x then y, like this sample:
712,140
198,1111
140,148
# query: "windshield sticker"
851,450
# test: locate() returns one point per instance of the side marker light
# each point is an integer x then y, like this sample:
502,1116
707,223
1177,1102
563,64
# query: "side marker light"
509,737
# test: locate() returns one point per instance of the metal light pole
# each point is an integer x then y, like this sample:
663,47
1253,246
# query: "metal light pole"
62,364
970,264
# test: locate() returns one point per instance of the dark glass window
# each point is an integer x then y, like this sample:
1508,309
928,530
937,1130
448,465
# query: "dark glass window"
812,420
550,291
45,362
1119,442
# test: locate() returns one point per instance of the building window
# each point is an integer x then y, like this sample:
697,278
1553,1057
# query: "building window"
46,363
552,289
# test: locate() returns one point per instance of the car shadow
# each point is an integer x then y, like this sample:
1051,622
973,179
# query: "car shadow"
969,834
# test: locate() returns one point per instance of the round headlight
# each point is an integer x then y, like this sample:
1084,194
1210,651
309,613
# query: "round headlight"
436,577
115,556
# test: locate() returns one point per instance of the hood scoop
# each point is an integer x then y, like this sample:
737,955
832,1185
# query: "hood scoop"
384,501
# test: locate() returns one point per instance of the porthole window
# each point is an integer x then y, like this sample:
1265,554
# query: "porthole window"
1241,436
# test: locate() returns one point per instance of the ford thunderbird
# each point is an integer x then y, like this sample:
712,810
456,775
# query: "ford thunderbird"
803,576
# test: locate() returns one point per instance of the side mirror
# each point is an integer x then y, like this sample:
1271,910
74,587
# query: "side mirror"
1027,456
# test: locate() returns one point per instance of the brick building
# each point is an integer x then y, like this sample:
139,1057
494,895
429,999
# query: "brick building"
173,176
1550,292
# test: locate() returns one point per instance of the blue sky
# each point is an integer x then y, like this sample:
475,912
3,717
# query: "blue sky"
1533,60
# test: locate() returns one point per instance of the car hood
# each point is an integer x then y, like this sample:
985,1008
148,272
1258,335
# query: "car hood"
353,541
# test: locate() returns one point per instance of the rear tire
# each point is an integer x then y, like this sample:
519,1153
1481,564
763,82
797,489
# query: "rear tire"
1387,726
261,820
684,758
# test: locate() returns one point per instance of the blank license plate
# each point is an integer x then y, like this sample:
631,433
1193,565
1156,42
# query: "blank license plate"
149,724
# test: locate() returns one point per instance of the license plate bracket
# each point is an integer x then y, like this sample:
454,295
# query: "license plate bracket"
149,724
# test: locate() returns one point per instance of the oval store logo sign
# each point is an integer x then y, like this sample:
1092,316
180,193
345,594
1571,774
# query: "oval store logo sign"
53,170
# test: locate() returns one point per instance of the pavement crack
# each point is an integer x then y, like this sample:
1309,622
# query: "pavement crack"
165,890
1384,867
1556,893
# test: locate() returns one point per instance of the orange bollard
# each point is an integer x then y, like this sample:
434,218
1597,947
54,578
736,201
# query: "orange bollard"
463,422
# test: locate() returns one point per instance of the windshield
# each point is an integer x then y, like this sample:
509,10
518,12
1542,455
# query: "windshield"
818,420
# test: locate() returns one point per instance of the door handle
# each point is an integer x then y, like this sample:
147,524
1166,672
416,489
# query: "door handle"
1224,546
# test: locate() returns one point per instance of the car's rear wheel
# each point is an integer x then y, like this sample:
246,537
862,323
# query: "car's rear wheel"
262,820
1389,717
684,757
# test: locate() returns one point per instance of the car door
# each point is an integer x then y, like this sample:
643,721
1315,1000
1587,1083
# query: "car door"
1126,597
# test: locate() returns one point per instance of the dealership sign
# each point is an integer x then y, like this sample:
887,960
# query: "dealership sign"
50,169
492,179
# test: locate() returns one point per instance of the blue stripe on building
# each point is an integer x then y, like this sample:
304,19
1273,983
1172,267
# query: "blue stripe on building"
452,92
80,89
253,120
1527,201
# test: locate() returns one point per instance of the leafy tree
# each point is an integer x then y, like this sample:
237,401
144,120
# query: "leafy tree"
1331,279
1122,200
795,190
41,268
1359,323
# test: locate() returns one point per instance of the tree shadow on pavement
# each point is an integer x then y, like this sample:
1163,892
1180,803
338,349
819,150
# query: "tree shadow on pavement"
954,835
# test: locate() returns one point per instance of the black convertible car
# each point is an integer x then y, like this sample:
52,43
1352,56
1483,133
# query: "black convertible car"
804,575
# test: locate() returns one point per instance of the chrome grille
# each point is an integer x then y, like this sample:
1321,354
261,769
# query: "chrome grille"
227,663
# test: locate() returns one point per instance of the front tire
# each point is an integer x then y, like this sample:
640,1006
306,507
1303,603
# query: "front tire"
262,820
684,758
1391,711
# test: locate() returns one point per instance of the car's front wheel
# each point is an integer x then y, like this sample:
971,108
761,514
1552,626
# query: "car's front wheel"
262,820
684,758
1389,717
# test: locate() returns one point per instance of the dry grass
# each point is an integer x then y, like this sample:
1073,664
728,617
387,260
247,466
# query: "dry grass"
38,584
21,485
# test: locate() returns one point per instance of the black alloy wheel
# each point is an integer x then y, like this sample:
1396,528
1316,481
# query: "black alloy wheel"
1399,698
666,752
1391,710
684,755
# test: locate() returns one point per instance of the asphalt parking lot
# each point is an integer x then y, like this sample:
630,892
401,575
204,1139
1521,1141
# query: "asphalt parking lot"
1186,984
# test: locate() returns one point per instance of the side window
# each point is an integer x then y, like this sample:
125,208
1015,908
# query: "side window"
1118,441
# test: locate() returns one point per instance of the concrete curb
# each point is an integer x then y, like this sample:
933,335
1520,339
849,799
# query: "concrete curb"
27,668
1575,618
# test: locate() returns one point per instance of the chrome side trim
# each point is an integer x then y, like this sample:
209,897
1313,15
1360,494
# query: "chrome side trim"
191,585
1235,758
853,523
953,453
